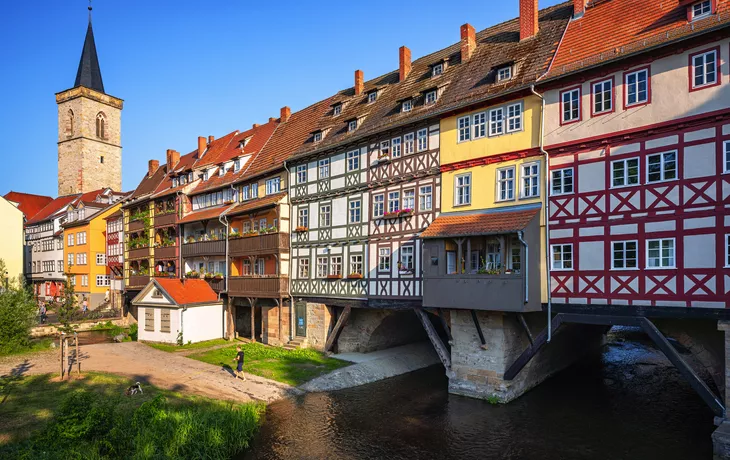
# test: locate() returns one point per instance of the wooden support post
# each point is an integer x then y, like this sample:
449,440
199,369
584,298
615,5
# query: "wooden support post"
445,325
60,348
68,363
532,350
441,349
467,259
479,328
339,325
527,328
78,356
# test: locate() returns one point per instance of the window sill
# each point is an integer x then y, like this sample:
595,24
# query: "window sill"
569,122
660,268
561,269
705,86
462,205
561,194
508,200
636,104
617,187
660,181
600,114
614,269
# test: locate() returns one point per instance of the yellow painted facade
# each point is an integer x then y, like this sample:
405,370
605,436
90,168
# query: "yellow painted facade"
84,270
11,240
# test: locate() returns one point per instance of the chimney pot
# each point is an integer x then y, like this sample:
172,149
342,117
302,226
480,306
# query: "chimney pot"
202,145
173,158
579,7
468,41
152,167
404,62
211,139
255,125
359,82
285,114
528,18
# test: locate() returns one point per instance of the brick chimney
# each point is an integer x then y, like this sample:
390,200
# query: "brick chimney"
173,158
468,41
579,7
255,125
285,114
359,82
202,145
211,139
404,62
528,18
152,167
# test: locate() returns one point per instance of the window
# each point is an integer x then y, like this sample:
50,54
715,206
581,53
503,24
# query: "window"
570,107
100,258
515,260
602,94
303,218
372,96
353,160
70,258
406,258
378,205
324,168
506,184
317,137
637,87
254,190
336,266
273,185
101,125
60,266
701,9
496,122
727,250
480,125
355,208
464,129
72,280
70,239
246,267
504,73
383,259
321,267
174,182
101,159
660,253
624,254
625,172
431,97
726,161
393,202
337,110
462,195
437,70
425,198
325,215
303,268
396,150
205,175
514,118
301,174
406,106
102,280
422,140
352,125
562,256
409,200
149,319
408,143
246,191
260,267
661,167
263,224
164,320
356,264
84,280
704,69
237,165
562,182
530,180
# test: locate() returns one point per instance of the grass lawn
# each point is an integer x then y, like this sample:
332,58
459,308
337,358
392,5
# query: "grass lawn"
43,344
170,348
91,418
293,367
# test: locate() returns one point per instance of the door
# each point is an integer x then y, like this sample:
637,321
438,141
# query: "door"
300,313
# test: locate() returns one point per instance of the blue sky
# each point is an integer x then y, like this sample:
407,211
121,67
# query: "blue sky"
197,68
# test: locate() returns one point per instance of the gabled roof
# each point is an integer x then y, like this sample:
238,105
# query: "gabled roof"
612,30
164,186
252,205
89,73
491,222
149,184
184,292
49,210
28,203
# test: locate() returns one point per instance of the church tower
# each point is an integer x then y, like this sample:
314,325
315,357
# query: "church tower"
89,129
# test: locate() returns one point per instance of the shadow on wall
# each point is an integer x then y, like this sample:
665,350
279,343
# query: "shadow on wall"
372,330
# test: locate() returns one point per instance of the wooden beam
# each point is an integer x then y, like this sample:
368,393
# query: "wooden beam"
441,349
478,327
339,325
445,325
526,328
532,350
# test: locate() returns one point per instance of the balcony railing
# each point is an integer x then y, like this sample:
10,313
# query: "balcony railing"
138,281
167,252
259,244
257,286
139,253
204,248
136,225
162,220
112,238
216,284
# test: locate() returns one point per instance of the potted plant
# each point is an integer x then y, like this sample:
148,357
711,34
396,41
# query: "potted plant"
208,276
334,277
383,157
405,212
301,229
218,276
234,233
355,276
192,274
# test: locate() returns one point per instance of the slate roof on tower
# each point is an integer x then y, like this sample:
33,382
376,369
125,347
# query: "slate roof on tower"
89,73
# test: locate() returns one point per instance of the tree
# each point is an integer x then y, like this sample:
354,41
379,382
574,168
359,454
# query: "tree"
67,309
18,312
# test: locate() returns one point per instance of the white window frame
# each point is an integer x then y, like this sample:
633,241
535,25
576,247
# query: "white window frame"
336,110
570,100
496,121
70,239
409,199
727,250
378,205
317,137
303,217
726,157
384,260
353,160
530,179
396,149
422,140
356,265
393,201
372,97
409,144
626,177
407,253
273,185
705,69
301,174
463,125
504,182
431,97
636,74
303,268
336,266
504,73
479,125
562,261
462,189
437,69
325,218
700,12
354,214
562,172
662,242
406,106
514,118
100,258
322,266
623,251
323,168
662,167
425,198
597,88
351,125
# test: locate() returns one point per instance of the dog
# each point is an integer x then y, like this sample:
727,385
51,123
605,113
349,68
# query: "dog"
134,389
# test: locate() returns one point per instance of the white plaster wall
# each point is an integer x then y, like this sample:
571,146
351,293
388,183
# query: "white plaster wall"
205,322
591,255
699,160
699,251
156,335
592,177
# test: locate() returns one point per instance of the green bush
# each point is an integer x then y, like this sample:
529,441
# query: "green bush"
133,331
18,314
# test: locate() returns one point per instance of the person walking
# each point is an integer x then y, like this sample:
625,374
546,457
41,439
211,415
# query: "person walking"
239,366
43,312
85,306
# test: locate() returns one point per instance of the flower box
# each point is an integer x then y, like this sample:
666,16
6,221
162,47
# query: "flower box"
334,277
405,212
301,229
391,215
355,276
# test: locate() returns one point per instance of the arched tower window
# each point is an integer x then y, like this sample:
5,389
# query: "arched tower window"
101,125
70,124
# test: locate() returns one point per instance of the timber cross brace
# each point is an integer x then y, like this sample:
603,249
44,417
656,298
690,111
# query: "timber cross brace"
438,344
647,326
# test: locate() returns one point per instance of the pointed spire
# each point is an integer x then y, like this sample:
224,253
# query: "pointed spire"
89,73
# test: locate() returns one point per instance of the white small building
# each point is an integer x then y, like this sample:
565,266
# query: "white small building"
170,306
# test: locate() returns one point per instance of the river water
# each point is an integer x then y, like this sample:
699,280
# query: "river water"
624,402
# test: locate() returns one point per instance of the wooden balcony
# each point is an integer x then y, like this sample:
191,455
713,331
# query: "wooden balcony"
136,225
259,244
216,285
165,220
204,248
256,286
137,281
139,253
168,252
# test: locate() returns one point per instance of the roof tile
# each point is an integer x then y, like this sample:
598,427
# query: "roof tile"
480,223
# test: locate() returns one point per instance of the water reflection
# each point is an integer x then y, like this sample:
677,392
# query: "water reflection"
626,402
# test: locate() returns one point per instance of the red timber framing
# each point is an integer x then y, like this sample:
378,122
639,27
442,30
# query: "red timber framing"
693,210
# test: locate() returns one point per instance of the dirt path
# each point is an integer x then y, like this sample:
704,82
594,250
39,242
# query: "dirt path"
148,365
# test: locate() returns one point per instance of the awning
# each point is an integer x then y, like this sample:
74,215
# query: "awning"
489,222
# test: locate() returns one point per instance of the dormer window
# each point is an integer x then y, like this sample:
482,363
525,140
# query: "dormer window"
431,97
437,70
317,137
352,125
237,165
337,110
182,180
407,106
190,176
174,182
205,175
221,170
372,97
701,9
504,73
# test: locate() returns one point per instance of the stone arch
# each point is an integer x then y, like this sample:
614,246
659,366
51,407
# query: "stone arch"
370,330
101,125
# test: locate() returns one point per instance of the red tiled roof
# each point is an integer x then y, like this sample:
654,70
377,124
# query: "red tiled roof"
204,214
252,205
188,292
28,203
612,29
480,223
149,184
164,187
51,208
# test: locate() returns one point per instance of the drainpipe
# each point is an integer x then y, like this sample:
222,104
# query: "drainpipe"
524,243
178,227
225,282
547,213
288,286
